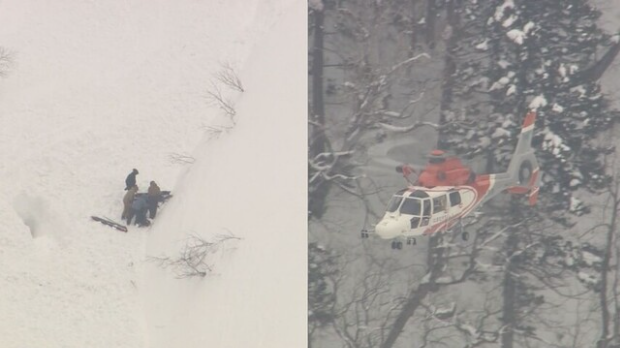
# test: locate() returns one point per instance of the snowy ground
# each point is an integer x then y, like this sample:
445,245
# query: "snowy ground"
99,88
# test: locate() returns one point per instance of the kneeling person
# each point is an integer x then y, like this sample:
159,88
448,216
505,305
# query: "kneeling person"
138,209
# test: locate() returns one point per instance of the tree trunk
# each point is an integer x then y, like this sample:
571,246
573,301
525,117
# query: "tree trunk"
449,70
603,301
595,72
431,16
509,293
317,137
317,134
616,297
413,302
414,26
436,264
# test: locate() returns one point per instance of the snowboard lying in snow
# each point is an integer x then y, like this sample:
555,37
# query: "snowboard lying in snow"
109,222
165,195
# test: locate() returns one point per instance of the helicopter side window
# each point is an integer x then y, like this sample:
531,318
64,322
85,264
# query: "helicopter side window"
415,222
394,203
427,208
440,204
411,206
455,199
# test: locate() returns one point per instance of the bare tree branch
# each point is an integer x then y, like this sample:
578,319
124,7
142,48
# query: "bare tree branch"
228,77
193,260
6,61
177,158
215,97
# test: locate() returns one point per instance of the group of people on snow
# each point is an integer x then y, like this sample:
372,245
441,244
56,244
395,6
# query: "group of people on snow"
136,205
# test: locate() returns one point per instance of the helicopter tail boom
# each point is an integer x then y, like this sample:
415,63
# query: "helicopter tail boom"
523,168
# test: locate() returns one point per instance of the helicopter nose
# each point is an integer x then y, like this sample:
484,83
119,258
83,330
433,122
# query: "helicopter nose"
390,227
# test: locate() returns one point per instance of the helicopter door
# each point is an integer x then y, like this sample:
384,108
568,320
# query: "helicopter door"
456,203
440,209
426,212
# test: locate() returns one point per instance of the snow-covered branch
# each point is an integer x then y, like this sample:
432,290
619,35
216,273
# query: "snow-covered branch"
323,164
407,61
498,234
523,250
416,125
396,114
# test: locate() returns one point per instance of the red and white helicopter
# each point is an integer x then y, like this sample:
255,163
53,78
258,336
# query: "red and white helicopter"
446,191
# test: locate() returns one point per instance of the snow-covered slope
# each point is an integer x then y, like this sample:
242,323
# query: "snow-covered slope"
99,88
259,290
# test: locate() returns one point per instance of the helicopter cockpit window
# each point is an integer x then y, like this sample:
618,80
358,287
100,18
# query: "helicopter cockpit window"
419,194
394,203
411,206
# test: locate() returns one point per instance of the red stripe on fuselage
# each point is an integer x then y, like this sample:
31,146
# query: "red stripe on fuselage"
482,185
534,177
451,221
530,118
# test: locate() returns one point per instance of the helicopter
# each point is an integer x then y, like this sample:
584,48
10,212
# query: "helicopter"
446,191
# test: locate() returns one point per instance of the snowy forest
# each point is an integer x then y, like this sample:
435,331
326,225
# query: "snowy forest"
391,80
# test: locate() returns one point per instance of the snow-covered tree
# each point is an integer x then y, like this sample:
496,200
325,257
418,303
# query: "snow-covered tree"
516,55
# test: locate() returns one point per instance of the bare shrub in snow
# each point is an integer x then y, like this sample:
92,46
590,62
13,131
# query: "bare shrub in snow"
6,61
177,158
215,97
215,131
193,260
228,76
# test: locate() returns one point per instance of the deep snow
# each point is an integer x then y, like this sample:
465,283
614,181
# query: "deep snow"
101,87
260,286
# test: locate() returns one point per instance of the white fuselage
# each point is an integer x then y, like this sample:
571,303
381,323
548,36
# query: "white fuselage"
420,211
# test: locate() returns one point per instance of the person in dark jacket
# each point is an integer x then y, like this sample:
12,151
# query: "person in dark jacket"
131,179
154,194
127,200
138,209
